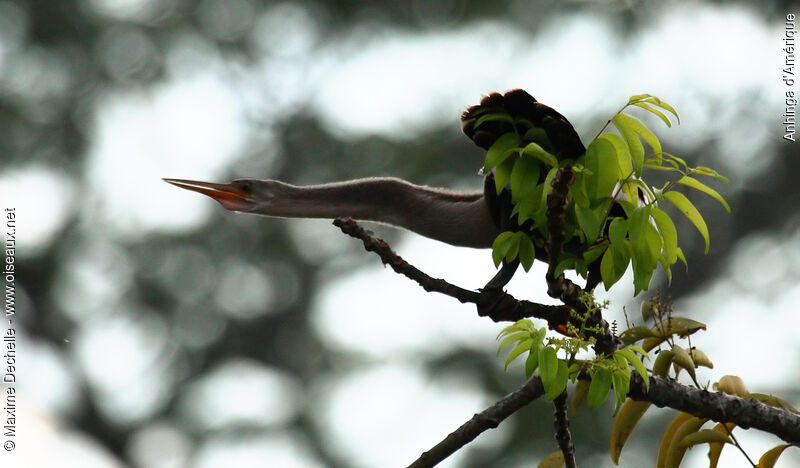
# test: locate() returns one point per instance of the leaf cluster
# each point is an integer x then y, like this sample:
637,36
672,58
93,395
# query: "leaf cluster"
613,212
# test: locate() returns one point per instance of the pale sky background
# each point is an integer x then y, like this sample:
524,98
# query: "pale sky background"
694,56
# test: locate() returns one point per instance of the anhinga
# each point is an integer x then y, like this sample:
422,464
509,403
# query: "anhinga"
461,219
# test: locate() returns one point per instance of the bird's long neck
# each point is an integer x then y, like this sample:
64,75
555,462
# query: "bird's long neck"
461,219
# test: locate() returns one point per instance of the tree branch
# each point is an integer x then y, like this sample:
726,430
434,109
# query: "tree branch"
487,419
718,406
561,426
504,308
560,287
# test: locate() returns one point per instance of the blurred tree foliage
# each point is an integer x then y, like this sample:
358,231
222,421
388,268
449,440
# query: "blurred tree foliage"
65,58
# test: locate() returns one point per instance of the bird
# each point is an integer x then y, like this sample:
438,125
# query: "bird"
463,219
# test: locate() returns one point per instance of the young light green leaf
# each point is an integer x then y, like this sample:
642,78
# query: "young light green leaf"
532,362
655,111
526,251
548,364
638,97
601,160
622,383
501,150
521,347
696,184
524,178
607,272
622,152
637,364
687,208
682,258
665,265
519,325
707,171
535,151
668,233
635,147
598,389
664,105
630,126
556,386
516,336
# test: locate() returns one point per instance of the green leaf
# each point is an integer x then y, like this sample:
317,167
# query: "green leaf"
593,253
500,246
516,336
501,150
537,135
559,382
617,230
630,127
668,233
636,225
707,171
519,325
502,173
663,361
634,334
567,263
524,178
589,221
638,97
664,105
548,364
696,184
665,265
622,382
532,362
682,258
623,154
547,187
526,251
655,111
687,208
598,389
601,160
497,116
520,348
637,364
535,151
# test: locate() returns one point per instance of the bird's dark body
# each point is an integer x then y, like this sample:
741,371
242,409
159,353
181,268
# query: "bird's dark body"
562,141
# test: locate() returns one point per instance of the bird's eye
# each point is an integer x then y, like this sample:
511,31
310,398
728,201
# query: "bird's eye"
245,186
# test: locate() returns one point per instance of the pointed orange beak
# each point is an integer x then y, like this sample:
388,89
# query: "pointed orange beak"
230,197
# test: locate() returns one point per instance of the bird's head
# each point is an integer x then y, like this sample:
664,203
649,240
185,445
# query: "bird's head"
245,195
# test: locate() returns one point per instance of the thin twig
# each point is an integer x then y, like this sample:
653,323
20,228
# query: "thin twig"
487,419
